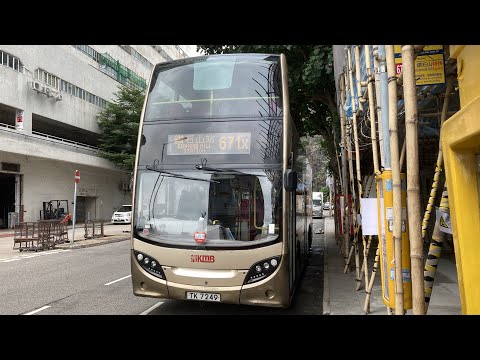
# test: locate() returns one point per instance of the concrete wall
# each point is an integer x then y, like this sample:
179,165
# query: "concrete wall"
45,180
47,166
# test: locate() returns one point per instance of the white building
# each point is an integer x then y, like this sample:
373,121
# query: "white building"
49,97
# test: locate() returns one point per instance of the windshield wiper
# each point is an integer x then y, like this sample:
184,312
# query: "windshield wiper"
203,166
169,174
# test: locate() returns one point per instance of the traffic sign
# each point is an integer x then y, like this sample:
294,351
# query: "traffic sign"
77,176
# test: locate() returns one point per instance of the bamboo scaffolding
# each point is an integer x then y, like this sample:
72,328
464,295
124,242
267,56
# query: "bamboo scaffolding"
376,66
434,253
352,248
358,166
338,160
366,306
368,291
402,155
417,49
373,135
397,191
353,124
351,208
439,164
357,162
413,189
345,222
358,78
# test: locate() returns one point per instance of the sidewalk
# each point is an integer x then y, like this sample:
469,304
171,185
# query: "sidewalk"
112,233
342,298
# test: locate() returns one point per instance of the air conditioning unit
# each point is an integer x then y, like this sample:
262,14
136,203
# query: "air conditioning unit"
59,97
51,92
37,86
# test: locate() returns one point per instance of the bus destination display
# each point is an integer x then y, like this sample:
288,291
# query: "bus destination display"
210,143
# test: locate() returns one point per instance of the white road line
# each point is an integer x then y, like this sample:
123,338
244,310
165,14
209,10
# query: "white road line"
38,310
152,308
114,281
5,260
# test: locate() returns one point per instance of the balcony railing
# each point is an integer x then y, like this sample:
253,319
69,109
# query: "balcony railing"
52,138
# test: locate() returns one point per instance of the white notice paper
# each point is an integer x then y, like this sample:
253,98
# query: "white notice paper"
369,216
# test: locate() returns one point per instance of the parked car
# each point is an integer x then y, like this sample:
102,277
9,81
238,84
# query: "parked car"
122,215
326,206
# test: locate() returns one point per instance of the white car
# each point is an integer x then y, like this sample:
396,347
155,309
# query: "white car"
122,215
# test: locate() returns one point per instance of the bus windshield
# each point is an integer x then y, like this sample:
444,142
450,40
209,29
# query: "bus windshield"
231,208
216,86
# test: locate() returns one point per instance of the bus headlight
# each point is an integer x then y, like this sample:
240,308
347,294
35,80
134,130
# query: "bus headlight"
262,269
149,264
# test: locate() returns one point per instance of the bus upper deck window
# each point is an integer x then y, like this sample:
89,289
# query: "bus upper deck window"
213,75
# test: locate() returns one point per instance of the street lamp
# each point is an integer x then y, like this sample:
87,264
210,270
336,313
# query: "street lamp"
163,147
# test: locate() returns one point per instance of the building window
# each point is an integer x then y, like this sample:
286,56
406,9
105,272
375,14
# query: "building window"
47,78
11,61
87,50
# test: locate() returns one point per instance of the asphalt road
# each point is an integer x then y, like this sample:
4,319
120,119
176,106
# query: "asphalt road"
96,281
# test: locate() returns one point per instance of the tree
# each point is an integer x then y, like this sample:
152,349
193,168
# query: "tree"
311,88
119,122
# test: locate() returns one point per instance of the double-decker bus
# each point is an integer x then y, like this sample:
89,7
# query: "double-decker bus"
222,184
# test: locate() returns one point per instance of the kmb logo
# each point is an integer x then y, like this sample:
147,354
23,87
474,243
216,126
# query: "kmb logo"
203,258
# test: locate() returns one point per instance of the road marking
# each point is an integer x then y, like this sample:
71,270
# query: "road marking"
38,310
114,281
152,308
20,257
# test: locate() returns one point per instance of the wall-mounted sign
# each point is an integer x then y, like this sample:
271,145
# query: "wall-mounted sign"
429,65
19,120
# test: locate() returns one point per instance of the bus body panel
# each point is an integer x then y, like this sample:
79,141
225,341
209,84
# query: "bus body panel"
224,259
226,275
267,292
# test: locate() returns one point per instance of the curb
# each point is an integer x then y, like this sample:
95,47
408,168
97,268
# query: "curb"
326,285
97,243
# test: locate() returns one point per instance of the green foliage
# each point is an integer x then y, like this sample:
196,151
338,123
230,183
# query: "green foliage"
119,123
311,87
326,192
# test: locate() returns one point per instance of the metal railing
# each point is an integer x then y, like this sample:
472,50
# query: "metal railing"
51,138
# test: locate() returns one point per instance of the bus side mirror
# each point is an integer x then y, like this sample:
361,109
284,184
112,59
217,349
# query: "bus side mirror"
290,180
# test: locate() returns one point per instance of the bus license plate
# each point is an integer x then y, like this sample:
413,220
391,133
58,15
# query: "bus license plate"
203,296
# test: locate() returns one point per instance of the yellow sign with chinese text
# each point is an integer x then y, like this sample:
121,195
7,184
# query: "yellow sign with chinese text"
429,65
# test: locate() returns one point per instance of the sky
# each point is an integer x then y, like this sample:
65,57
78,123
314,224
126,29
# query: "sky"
191,50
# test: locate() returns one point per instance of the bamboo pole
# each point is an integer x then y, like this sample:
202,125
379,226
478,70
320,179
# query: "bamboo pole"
373,135
376,66
366,306
371,104
338,160
345,222
386,161
351,208
402,155
335,214
397,191
413,189
358,165
434,252
358,77
350,165
439,164
357,161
